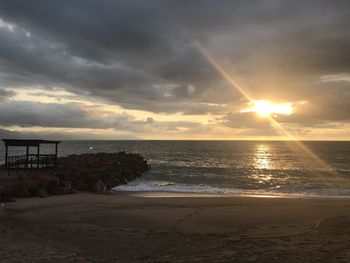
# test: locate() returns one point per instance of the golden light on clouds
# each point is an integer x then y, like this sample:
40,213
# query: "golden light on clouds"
266,108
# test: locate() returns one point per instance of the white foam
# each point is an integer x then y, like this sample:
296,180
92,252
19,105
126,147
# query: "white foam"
141,185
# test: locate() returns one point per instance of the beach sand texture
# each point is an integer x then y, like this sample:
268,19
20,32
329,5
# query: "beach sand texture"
141,227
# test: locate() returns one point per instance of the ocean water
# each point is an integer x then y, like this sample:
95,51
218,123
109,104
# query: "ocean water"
232,167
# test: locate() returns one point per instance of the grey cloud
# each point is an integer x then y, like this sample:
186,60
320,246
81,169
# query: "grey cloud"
326,105
73,115
153,125
179,62
242,120
4,94
130,87
131,52
9,134
62,135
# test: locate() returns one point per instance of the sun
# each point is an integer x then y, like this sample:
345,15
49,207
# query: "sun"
265,108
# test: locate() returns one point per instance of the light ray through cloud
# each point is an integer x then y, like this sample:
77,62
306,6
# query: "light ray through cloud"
242,89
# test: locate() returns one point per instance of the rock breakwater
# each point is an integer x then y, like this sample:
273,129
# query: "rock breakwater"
86,172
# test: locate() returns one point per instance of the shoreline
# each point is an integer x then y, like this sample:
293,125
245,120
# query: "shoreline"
166,194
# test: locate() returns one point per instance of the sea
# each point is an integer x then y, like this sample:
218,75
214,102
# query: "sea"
259,168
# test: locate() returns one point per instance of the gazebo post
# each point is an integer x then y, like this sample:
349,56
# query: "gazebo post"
27,156
6,156
38,157
55,155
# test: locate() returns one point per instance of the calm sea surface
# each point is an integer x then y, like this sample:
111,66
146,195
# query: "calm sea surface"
232,167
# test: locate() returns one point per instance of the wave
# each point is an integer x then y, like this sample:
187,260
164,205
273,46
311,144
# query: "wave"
164,186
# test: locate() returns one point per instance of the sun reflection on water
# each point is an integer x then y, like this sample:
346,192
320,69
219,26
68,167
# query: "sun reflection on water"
262,161
262,157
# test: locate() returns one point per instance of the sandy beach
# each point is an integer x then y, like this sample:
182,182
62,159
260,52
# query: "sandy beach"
150,227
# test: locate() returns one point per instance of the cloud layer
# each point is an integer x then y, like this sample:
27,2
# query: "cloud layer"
148,57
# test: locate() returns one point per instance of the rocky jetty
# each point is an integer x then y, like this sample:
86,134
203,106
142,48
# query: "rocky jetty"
86,172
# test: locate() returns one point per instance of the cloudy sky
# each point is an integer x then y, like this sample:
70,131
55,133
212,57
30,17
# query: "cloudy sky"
267,69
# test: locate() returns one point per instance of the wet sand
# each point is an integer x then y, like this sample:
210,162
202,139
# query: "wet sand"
174,228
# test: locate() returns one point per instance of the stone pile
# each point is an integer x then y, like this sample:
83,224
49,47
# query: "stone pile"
86,172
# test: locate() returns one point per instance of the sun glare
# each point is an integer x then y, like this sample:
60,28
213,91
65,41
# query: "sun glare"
266,108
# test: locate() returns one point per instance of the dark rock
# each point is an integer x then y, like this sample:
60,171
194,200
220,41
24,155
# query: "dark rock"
30,185
81,186
15,188
68,187
59,190
7,199
42,192
99,187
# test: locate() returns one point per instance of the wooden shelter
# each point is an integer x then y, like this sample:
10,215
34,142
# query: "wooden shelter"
29,161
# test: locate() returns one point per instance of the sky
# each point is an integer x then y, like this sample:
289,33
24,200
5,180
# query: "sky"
159,69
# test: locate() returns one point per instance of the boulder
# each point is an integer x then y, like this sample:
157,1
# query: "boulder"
99,187
15,188
32,186
42,192
68,187
59,190
82,186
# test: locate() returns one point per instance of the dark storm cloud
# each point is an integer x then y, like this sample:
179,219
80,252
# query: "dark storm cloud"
63,135
70,115
74,115
9,134
4,94
140,54
29,61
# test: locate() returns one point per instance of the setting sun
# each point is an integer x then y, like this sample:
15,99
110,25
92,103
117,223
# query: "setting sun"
265,108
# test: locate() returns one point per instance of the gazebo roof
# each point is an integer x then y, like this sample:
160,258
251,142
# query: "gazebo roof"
20,142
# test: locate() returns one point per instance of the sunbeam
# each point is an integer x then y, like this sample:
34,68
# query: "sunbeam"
240,87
